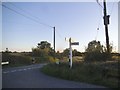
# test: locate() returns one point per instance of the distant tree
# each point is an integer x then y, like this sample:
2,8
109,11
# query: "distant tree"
66,52
76,53
43,49
94,46
43,52
59,55
43,45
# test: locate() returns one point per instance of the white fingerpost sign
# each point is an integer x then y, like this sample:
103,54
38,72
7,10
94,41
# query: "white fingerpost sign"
70,51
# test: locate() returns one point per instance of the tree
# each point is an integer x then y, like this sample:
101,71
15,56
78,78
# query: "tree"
43,52
66,52
43,49
96,52
94,46
59,55
76,53
43,45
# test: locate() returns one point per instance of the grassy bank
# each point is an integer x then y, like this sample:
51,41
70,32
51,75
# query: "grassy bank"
94,73
20,59
15,59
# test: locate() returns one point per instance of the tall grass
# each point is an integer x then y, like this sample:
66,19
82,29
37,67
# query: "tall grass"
94,73
16,60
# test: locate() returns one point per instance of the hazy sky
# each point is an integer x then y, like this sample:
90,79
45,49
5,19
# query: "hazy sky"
78,20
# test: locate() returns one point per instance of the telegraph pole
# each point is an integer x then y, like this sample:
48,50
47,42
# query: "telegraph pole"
54,41
106,22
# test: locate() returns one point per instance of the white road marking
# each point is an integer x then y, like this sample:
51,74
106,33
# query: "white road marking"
13,71
28,68
6,72
19,70
24,69
35,67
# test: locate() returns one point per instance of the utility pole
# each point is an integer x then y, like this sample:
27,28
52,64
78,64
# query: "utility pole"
106,22
54,41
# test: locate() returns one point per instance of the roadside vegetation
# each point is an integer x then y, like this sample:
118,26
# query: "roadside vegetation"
15,59
94,73
92,66
95,66
43,53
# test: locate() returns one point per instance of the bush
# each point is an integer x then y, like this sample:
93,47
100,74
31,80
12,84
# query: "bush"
51,59
97,56
97,52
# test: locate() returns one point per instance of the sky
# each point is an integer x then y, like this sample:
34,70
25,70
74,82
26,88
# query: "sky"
32,23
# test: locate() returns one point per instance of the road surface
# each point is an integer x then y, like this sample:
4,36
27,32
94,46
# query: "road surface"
31,77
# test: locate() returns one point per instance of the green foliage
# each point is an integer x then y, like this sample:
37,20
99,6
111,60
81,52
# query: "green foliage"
59,55
76,53
16,59
66,52
51,59
96,52
43,51
94,46
43,45
83,72
94,56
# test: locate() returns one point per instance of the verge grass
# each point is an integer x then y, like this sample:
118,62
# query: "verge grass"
94,73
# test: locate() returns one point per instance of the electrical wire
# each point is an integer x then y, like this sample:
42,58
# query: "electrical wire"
28,13
98,27
112,8
27,16
34,17
59,34
99,4
31,18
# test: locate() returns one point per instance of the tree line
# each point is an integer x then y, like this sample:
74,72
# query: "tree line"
95,51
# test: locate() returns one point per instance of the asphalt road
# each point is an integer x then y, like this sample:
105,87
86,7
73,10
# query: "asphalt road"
31,77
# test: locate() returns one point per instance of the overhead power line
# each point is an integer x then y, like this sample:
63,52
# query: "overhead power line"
112,8
28,13
99,3
33,17
27,16
59,35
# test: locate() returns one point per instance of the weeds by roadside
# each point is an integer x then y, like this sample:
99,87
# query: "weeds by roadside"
95,73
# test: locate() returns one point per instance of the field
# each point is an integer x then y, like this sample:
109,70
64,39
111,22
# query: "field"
19,59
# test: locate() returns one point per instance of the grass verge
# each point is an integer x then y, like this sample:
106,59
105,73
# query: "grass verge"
94,73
